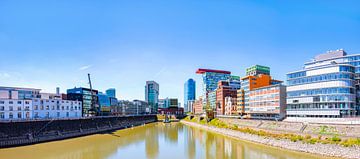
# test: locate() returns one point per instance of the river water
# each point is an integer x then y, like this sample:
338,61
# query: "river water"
156,140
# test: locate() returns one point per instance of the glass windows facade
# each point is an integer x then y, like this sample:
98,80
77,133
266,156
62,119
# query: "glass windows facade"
328,91
189,93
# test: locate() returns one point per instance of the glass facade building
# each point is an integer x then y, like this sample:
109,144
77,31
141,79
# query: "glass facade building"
111,92
87,98
152,95
326,87
210,81
189,93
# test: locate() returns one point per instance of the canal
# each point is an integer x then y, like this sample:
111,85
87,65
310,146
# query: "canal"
156,140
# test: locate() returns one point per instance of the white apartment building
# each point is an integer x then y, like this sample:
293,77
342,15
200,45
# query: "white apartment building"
28,103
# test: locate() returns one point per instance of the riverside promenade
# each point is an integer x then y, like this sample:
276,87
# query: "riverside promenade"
17,133
330,150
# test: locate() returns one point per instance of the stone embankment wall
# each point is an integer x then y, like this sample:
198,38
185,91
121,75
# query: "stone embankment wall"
299,127
30,132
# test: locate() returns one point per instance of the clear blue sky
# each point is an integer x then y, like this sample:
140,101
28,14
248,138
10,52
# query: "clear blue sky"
50,43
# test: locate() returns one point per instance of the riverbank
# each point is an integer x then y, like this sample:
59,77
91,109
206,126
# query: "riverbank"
330,150
19,133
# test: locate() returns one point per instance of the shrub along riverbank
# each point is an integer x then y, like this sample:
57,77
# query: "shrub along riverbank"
335,139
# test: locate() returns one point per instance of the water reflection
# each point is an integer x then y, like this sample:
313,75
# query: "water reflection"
152,141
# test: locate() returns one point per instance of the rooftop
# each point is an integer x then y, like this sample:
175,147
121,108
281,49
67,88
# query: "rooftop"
202,71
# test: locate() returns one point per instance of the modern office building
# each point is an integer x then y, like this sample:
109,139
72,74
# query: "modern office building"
135,107
224,90
88,98
152,95
257,69
249,83
268,102
104,103
327,87
111,92
189,93
212,99
210,81
168,102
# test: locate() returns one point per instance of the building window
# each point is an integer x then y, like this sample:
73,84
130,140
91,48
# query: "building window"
2,108
11,102
27,102
35,107
47,115
57,107
27,115
19,108
53,107
67,114
11,115
58,114
67,107
2,102
47,107
2,115
41,107
10,108
36,114
18,102
19,115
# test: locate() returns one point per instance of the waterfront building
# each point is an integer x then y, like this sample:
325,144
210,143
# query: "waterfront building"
198,106
240,101
135,107
249,83
268,102
19,93
87,98
224,90
111,92
257,69
190,105
326,87
210,81
230,106
152,95
104,103
29,103
212,99
171,111
189,93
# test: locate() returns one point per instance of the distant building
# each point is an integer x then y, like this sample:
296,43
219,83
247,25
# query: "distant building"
152,95
135,107
172,111
111,92
85,96
327,87
168,102
198,106
189,93
104,103
19,93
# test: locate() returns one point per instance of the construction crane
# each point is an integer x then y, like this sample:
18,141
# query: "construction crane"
92,106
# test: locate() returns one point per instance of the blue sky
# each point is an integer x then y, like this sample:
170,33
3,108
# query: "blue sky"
45,44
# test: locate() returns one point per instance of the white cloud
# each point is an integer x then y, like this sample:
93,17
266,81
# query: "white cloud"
84,67
4,75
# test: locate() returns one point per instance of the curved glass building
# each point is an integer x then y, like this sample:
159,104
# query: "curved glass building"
326,87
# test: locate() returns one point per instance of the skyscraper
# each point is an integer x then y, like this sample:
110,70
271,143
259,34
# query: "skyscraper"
111,92
152,95
189,93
